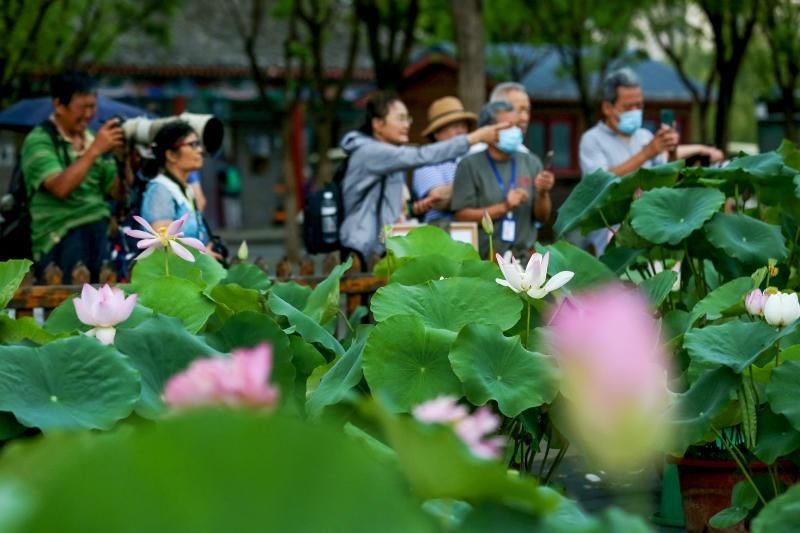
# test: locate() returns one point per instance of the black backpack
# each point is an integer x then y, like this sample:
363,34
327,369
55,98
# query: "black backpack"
15,215
318,235
316,239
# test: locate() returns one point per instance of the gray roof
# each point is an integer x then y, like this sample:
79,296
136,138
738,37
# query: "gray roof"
549,80
204,36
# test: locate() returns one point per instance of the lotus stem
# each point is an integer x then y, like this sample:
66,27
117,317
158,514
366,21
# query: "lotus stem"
528,326
557,461
608,226
773,475
166,262
491,250
740,464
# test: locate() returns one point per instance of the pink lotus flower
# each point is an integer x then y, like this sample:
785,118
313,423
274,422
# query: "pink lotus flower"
239,380
472,430
755,302
169,238
103,308
614,369
531,281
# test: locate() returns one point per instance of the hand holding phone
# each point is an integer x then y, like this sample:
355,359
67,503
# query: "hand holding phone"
668,117
548,160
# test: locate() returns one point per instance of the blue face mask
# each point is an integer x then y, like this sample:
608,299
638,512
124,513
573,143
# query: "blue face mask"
509,140
630,121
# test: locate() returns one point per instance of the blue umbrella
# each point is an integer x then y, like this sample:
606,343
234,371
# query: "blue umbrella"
27,113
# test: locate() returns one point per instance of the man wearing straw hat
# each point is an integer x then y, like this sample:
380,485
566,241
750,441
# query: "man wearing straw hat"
446,119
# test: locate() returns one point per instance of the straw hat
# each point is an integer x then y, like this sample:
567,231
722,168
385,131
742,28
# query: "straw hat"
445,111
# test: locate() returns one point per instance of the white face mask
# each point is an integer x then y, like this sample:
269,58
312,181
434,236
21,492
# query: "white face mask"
630,121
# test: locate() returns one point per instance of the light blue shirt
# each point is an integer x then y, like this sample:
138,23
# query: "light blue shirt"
162,202
602,147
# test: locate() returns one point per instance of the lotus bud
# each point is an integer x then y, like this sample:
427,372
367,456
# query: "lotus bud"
242,252
781,309
754,302
487,224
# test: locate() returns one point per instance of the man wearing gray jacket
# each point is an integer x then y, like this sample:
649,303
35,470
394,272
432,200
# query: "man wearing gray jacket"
373,185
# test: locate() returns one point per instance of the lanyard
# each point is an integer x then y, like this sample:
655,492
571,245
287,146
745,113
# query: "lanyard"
497,175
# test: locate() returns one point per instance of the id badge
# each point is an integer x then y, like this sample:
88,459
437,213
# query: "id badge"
508,230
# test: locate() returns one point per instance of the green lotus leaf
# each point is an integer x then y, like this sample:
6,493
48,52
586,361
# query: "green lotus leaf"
438,465
433,267
694,410
780,514
293,293
721,299
249,276
323,302
450,304
205,271
494,367
24,329
588,269
159,348
9,427
745,238
658,287
776,437
11,275
429,240
120,482
584,200
668,216
618,259
341,378
306,326
177,297
74,383
782,392
734,344
234,299
406,363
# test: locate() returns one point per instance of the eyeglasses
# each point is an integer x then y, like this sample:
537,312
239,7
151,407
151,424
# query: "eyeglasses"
194,145
406,119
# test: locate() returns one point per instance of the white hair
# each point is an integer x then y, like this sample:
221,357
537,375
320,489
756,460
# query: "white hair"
501,91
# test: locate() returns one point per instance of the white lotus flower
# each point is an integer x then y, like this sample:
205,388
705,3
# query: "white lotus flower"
781,309
531,281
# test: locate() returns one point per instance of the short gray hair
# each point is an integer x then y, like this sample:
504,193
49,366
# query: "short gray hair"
500,92
489,111
624,77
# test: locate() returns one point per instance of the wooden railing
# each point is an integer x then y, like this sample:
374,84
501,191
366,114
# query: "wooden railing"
355,286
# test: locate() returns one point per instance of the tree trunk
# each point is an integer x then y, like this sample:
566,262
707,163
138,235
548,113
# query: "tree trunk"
789,126
702,117
471,60
722,118
292,234
324,129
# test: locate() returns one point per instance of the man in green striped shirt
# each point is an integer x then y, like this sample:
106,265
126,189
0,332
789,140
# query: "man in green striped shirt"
69,174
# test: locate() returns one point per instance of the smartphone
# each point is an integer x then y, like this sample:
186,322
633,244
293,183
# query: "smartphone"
668,117
548,160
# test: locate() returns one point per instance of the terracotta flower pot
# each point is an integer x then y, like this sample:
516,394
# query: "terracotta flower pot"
706,486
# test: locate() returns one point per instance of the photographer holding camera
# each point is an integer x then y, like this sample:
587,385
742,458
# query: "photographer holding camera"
69,174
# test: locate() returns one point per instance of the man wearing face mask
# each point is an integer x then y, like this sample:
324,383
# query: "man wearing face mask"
620,144
508,184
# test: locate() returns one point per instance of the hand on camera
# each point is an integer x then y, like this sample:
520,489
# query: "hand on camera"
109,137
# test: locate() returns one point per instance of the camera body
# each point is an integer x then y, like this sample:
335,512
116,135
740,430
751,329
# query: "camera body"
141,130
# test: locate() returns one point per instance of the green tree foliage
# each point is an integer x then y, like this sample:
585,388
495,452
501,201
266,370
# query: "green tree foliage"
42,36
780,21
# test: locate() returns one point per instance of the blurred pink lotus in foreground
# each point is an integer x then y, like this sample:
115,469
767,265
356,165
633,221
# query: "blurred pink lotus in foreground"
239,380
614,373
531,281
103,308
471,429
169,238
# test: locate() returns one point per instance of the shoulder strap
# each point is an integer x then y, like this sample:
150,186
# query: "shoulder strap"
51,129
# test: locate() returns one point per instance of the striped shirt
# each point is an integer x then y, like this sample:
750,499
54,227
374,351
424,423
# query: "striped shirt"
426,178
51,217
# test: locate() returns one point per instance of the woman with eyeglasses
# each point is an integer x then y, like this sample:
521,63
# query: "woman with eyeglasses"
372,188
178,152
